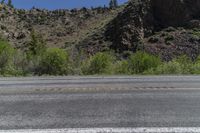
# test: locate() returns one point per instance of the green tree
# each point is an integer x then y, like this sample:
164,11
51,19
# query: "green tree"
34,51
10,3
113,4
3,1
37,45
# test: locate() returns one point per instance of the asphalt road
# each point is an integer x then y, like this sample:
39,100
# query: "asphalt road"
99,102
96,84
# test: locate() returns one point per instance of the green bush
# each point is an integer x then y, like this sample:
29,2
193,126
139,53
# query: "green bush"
55,61
185,64
171,67
180,65
9,59
100,63
20,63
121,67
6,56
195,68
141,61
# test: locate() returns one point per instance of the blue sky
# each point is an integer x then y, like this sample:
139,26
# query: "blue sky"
55,4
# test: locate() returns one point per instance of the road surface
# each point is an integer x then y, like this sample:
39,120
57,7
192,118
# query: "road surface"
100,104
96,84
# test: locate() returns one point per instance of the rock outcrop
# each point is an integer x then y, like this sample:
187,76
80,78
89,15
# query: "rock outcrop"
141,18
128,28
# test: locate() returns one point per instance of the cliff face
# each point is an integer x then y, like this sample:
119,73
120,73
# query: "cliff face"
142,19
175,12
129,27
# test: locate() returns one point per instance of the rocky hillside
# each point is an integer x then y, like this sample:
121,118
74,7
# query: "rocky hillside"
162,27
59,28
165,27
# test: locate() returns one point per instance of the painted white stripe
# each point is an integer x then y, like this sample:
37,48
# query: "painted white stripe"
109,130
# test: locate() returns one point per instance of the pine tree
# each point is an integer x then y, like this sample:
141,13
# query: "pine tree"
10,3
3,1
37,44
113,4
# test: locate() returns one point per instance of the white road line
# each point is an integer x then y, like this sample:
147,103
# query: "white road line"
109,130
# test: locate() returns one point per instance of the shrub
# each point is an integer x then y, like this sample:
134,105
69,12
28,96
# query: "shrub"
181,65
171,67
141,61
121,67
20,63
55,61
6,56
195,68
100,63
185,64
